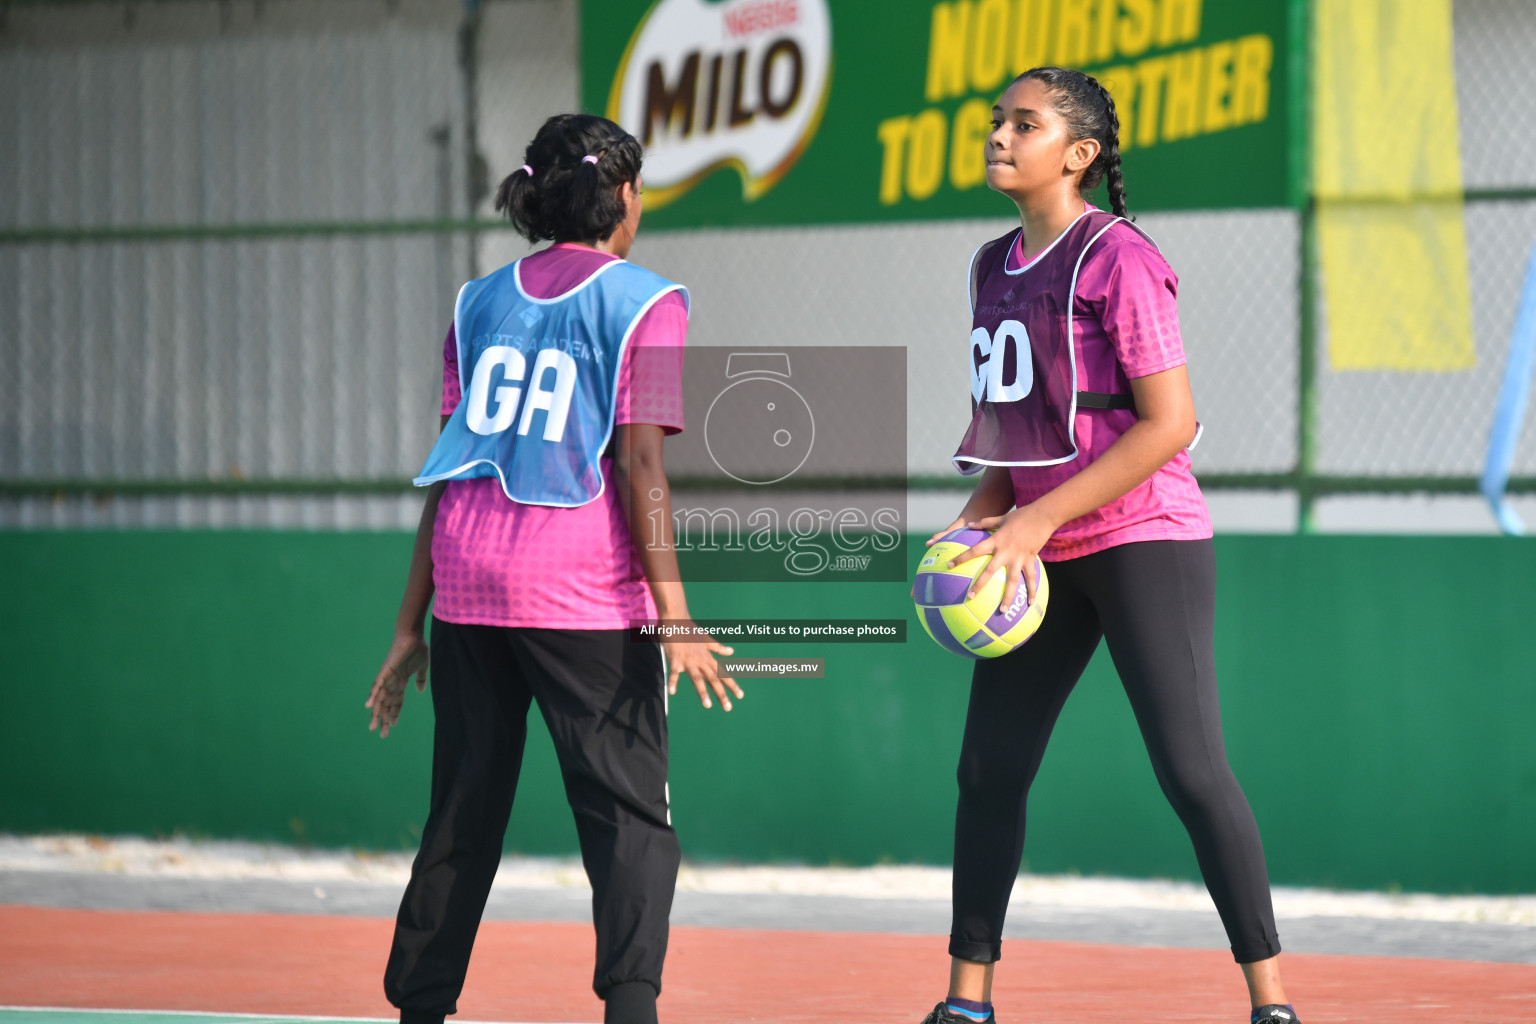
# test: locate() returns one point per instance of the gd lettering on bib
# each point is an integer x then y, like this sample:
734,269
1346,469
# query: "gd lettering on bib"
1023,357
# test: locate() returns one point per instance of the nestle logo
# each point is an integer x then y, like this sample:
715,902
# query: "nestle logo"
760,17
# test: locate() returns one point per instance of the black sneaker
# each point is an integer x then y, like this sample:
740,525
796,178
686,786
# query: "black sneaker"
1274,1014
941,1015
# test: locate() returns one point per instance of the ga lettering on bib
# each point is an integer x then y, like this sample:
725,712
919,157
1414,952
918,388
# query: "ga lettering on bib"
539,379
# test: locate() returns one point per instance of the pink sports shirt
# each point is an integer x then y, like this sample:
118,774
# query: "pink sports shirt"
1126,319
498,563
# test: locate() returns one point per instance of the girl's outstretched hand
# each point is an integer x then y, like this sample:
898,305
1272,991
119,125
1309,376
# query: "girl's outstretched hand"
697,658
1014,545
407,657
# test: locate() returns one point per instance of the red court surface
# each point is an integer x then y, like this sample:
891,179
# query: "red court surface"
312,965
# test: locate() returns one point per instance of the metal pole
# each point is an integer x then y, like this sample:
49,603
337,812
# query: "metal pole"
1306,405
1306,311
476,184
441,137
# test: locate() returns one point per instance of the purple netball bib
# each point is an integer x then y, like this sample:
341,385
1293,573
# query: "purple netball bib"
1022,353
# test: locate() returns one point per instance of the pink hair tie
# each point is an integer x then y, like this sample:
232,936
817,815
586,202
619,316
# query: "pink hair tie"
589,159
528,170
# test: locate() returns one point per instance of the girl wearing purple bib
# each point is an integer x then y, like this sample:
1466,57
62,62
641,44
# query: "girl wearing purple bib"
1082,417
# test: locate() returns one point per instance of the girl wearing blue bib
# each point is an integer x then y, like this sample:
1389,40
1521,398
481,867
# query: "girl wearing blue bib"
545,466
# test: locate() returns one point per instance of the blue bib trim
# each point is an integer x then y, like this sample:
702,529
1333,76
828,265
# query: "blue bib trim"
539,380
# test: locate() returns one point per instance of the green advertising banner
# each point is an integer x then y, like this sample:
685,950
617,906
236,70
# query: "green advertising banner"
831,111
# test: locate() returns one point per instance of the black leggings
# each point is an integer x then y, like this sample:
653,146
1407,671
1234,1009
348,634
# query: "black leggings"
1155,604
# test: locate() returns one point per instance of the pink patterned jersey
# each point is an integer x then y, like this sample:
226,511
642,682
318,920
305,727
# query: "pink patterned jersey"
1127,325
498,563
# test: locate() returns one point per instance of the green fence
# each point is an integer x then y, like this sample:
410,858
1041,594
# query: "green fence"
238,263
1375,693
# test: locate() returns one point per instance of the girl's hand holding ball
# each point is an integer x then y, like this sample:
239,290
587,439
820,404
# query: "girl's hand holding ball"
1015,542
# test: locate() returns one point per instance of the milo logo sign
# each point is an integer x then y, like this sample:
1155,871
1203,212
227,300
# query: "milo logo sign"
738,83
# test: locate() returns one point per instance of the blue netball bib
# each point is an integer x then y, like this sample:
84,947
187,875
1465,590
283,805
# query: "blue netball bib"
539,378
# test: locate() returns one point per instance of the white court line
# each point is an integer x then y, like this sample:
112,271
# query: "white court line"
213,1013
190,1013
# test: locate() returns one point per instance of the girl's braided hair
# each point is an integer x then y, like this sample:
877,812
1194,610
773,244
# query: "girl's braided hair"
566,191
1089,111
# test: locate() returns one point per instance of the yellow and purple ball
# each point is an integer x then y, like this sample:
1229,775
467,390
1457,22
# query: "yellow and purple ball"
975,628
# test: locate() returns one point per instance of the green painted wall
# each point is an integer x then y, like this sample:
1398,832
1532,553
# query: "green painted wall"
1379,694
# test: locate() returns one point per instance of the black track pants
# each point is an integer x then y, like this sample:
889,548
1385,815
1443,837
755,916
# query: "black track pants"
604,700
1154,602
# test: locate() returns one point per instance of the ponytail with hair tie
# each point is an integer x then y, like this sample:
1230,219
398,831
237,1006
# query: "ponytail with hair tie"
583,162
